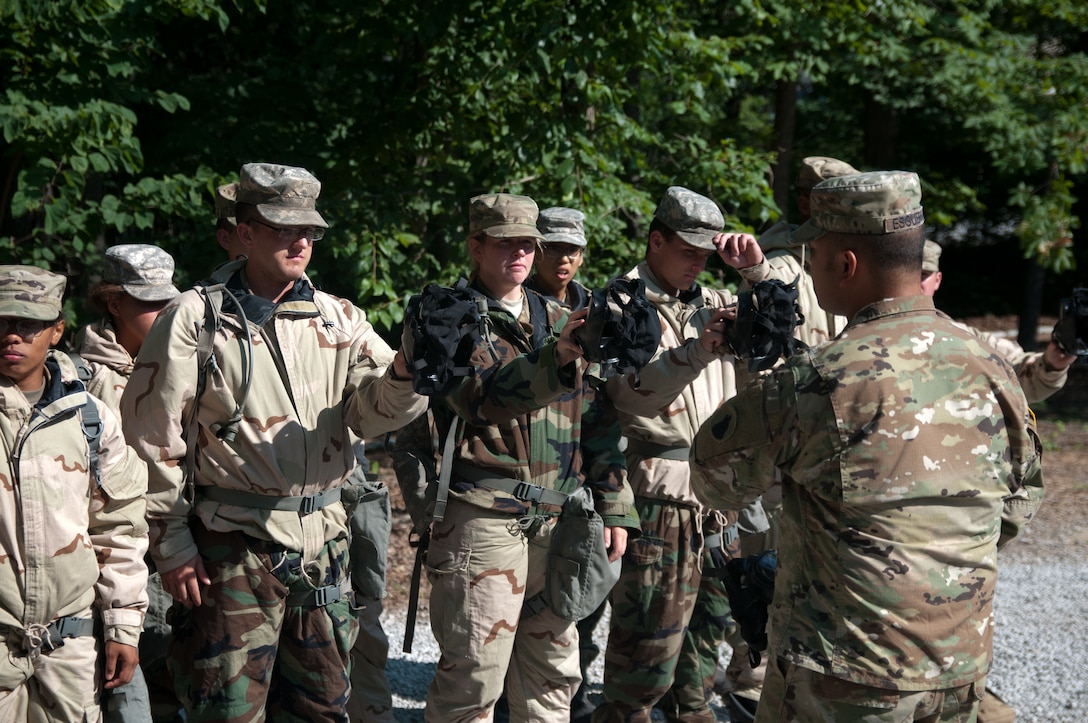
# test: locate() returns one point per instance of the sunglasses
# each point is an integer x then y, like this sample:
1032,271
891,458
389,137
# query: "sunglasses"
26,328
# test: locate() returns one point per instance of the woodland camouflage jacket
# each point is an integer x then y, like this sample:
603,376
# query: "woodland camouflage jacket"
318,369
908,457
67,541
530,420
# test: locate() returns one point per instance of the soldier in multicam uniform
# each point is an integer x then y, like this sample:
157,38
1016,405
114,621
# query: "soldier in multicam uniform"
908,457
1041,374
528,422
72,529
650,647
783,244
257,549
137,283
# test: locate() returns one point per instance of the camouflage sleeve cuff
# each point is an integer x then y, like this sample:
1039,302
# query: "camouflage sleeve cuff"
174,548
755,273
127,634
619,514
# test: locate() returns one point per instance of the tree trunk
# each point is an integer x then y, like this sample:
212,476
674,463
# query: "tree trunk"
881,135
1033,305
785,124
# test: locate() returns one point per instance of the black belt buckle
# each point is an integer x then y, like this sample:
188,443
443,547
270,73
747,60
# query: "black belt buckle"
309,504
528,492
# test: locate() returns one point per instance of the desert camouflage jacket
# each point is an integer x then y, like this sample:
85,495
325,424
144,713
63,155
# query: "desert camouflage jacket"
109,362
908,457
664,405
786,260
525,418
1037,378
67,541
318,368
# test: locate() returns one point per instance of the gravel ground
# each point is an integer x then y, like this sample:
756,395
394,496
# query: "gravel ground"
1041,655
1041,659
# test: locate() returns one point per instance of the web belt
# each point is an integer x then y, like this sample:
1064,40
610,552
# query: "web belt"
302,504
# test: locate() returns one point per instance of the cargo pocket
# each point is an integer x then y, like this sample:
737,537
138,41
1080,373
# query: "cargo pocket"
451,613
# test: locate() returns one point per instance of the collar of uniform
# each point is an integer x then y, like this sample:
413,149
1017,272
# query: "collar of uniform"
892,306
258,310
657,294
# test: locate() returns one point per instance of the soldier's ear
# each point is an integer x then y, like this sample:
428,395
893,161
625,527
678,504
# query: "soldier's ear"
848,263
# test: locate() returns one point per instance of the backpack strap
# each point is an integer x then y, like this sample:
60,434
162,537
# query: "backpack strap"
441,498
214,294
89,419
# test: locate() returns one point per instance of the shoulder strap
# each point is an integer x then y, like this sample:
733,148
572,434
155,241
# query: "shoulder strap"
440,500
213,295
538,315
89,419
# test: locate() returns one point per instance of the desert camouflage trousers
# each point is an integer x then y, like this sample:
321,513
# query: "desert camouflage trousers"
650,648
245,654
482,565
792,694
58,686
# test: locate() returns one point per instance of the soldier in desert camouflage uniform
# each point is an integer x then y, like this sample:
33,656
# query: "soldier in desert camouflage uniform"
650,647
137,282
528,418
72,529
257,550
226,225
1041,374
369,521
786,251
908,457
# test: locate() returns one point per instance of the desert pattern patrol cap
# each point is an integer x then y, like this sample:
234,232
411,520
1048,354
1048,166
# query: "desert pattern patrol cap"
815,169
29,292
283,195
931,257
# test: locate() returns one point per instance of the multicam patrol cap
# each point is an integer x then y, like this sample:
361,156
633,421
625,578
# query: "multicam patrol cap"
224,202
878,202
503,215
562,226
931,257
815,169
283,195
144,271
694,218
28,292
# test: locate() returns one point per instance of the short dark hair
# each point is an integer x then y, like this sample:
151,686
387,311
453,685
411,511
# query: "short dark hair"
890,254
244,212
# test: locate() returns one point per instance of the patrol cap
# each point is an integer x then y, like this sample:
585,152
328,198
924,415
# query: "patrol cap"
931,256
815,169
144,271
503,215
283,195
224,202
694,218
29,292
562,226
878,202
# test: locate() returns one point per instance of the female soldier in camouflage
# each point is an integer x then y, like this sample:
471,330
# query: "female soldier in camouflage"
527,416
